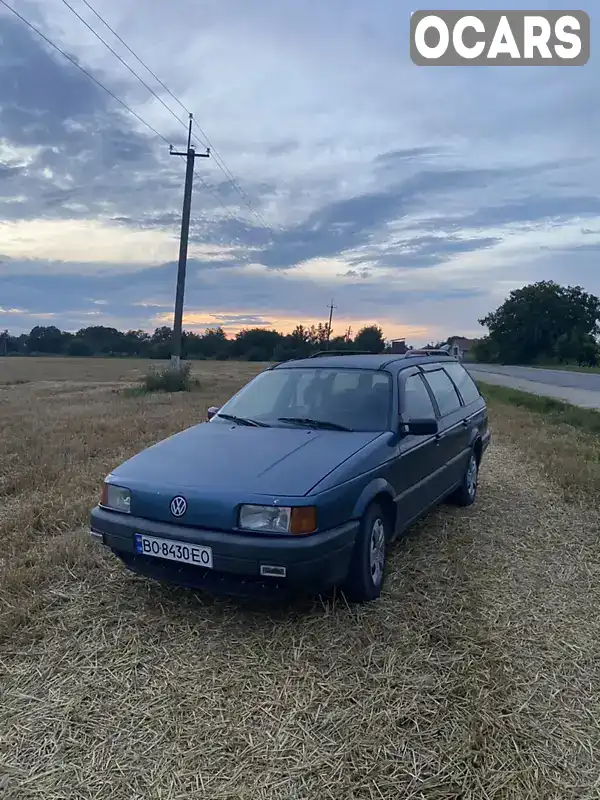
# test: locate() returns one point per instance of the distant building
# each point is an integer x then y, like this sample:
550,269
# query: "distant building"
399,347
461,347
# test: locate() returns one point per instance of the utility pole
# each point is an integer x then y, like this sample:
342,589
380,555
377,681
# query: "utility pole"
190,155
330,307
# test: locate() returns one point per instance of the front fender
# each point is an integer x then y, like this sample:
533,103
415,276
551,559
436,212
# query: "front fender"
371,490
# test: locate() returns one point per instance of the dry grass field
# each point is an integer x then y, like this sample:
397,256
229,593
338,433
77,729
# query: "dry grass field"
475,677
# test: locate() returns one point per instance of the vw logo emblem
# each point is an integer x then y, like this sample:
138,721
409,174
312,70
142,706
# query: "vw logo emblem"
178,506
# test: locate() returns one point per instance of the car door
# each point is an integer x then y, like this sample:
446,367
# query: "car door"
419,457
453,434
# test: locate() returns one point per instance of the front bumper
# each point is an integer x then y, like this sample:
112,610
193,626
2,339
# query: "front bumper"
312,563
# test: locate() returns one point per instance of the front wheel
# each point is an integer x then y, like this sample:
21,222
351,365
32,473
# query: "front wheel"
367,566
467,491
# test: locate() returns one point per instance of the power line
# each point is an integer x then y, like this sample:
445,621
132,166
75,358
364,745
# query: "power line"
140,79
212,190
126,46
122,60
219,160
85,72
111,94
122,103
190,158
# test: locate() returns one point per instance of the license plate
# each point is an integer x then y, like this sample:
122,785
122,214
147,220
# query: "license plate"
195,554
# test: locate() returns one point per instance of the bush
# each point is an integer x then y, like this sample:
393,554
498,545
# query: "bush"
169,379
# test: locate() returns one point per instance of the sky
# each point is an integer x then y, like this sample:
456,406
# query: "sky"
415,197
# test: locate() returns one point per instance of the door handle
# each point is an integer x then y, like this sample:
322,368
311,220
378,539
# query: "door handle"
465,423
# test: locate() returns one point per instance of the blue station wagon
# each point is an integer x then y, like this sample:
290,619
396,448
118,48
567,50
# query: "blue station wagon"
303,479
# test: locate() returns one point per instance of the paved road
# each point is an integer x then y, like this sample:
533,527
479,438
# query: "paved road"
579,388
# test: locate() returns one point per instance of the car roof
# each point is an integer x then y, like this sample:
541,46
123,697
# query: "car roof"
381,361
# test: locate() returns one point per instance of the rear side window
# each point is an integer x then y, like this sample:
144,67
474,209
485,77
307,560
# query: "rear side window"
444,391
417,401
464,382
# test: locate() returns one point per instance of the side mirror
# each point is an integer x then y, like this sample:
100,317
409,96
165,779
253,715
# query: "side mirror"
420,427
211,412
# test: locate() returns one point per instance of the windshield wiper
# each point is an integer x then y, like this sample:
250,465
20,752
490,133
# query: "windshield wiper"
243,421
315,423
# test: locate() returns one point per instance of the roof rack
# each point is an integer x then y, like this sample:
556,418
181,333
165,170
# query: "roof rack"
429,352
323,353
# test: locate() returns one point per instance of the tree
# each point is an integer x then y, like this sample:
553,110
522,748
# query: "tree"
370,338
574,347
214,343
256,344
102,340
16,344
589,354
297,344
318,335
136,343
46,339
300,339
485,350
529,325
79,347
340,343
160,343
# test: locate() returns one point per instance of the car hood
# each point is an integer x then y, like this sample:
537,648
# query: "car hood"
270,461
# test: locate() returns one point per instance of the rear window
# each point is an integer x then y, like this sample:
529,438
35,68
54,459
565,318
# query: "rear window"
464,382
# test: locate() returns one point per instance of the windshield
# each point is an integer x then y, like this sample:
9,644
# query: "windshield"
357,400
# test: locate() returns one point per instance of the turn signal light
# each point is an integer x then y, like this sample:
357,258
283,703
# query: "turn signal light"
303,520
104,495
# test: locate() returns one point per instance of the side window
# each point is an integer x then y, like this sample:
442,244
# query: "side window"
416,401
444,391
464,382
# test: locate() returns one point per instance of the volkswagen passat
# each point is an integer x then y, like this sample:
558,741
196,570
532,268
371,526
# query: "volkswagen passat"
303,479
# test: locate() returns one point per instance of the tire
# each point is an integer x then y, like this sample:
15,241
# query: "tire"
466,493
366,573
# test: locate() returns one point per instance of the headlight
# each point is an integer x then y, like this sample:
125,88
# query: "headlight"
116,498
279,519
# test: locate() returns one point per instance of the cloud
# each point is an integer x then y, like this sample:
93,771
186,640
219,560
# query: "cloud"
230,297
413,196
99,244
